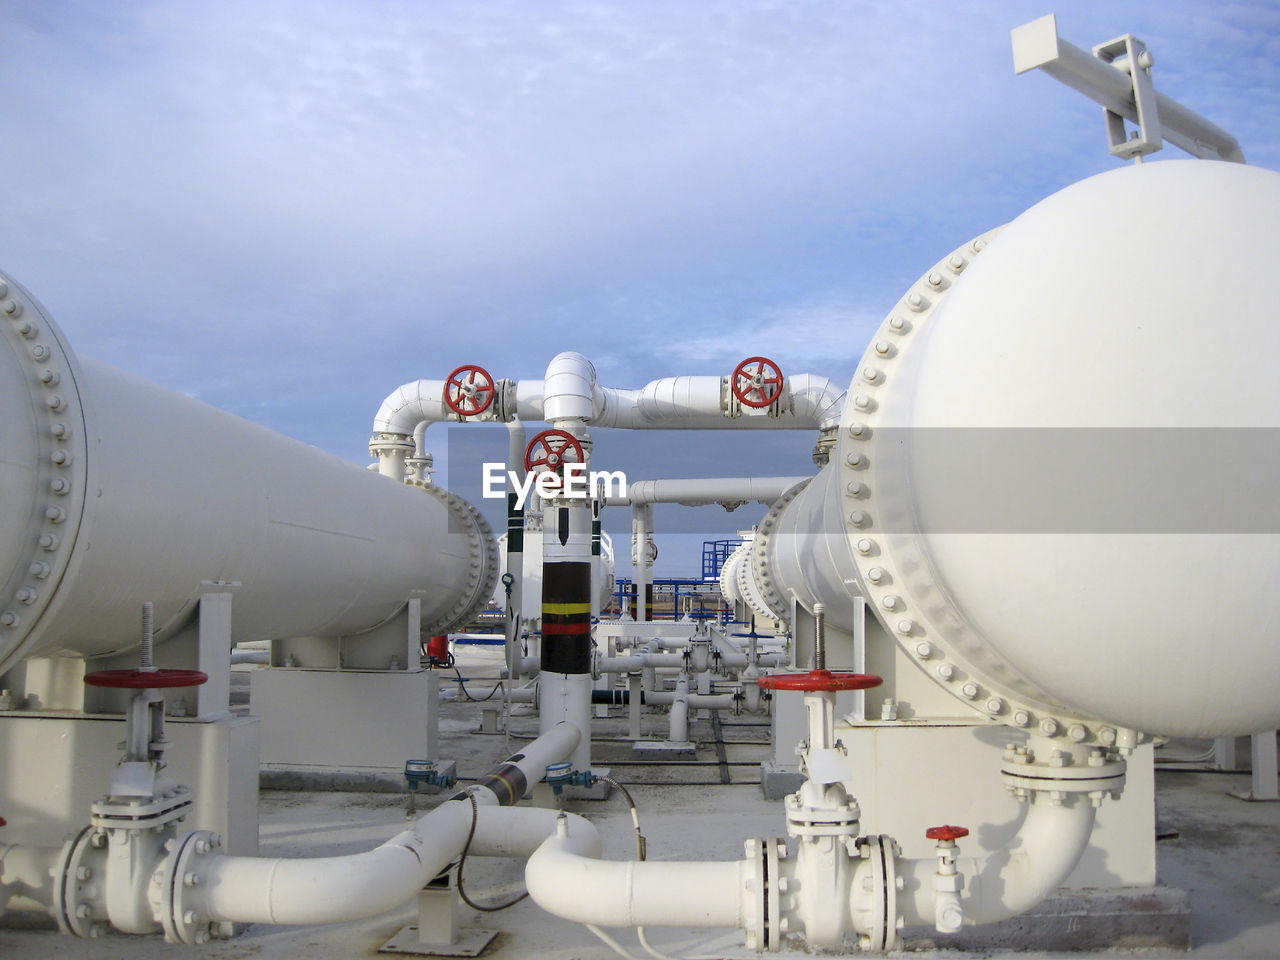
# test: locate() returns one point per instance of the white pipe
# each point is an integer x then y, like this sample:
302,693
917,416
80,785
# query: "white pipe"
816,399
635,893
27,872
703,491
569,389
421,401
1047,847
638,661
699,701
337,889
679,719
516,832
565,700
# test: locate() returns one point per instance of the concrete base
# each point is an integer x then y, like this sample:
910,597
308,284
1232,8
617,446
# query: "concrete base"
665,746
468,943
779,782
1127,918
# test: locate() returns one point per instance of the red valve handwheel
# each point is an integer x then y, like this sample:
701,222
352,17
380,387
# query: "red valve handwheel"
553,449
820,680
145,679
468,390
765,381
946,833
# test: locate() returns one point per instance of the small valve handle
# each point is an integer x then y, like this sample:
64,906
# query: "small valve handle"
819,680
468,391
757,387
946,832
145,679
552,449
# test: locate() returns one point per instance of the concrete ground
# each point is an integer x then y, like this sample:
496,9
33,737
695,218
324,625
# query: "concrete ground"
1226,853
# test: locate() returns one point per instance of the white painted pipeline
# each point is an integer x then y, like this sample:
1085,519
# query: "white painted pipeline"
421,401
565,700
1011,881
27,872
678,715
571,390
157,494
699,701
638,661
704,491
635,893
336,889
516,832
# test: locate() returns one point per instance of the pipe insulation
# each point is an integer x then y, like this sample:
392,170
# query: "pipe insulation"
118,491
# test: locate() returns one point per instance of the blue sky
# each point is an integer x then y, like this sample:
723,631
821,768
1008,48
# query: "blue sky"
289,209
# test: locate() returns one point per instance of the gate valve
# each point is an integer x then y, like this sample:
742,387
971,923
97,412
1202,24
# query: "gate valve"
948,912
553,449
764,382
468,391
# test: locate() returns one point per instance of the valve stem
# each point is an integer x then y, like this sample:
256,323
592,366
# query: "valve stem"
819,636
147,664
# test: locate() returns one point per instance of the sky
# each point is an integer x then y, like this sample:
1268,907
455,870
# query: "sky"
288,209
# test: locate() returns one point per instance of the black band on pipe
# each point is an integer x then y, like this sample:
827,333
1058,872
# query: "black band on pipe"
506,781
614,697
515,526
566,617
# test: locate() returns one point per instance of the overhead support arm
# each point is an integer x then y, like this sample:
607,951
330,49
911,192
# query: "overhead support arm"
1117,75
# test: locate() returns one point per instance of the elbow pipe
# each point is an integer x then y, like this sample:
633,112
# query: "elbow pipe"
816,399
419,402
1046,848
629,893
570,390
337,889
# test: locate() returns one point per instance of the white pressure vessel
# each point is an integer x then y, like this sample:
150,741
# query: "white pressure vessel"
117,491
1056,475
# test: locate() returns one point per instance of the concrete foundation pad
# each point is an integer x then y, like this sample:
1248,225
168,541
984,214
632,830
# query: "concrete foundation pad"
778,782
1128,918
467,943
665,746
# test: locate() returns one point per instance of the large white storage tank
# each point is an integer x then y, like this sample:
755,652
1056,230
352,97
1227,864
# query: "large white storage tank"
1056,469
117,491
